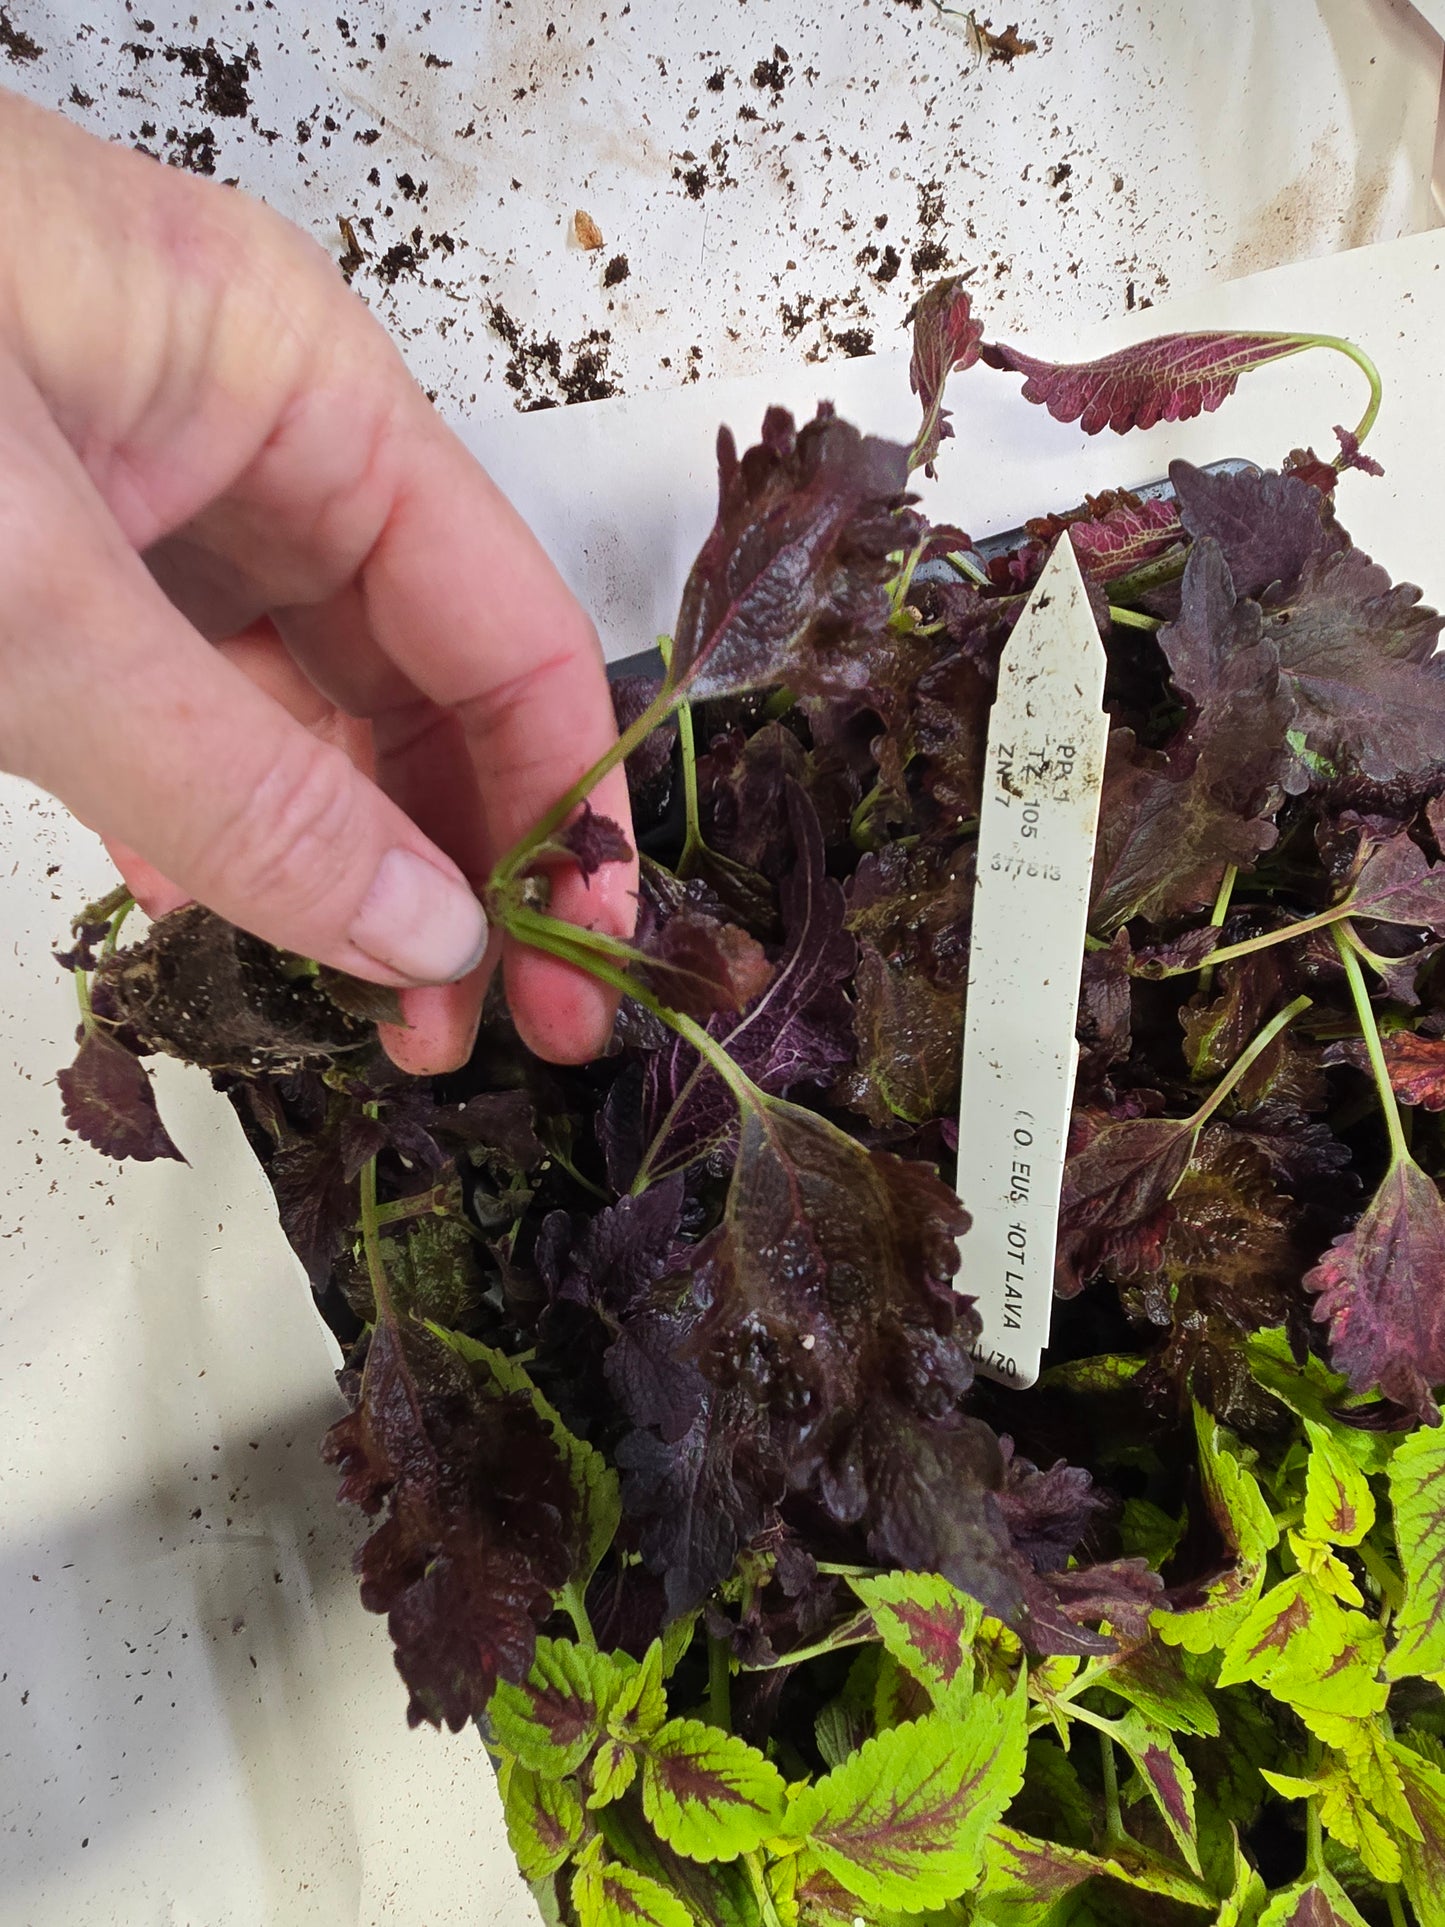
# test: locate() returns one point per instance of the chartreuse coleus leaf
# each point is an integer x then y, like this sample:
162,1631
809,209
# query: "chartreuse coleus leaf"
1345,1814
903,1821
1417,1494
1339,1505
544,1819
709,1794
593,1479
1317,1902
608,1893
1151,1678
1162,1772
1314,1393
552,1721
928,1626
1304,1648
1020,1870
1246,1898
1247,1526
639,1706
720,1894
1422,1779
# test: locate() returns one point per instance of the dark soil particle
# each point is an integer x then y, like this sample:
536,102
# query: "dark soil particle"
194,151
716,82
854,341
80,99
616,271
536,369
398,260
18,45
928,259
888,267
1058,175
223,90
774,74
695,181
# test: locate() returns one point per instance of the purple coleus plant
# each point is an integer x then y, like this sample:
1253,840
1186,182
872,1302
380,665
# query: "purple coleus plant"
661,1374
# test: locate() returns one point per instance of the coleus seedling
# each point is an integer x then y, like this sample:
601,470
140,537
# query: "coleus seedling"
663,1401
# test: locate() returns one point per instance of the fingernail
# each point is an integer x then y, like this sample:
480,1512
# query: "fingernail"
420,922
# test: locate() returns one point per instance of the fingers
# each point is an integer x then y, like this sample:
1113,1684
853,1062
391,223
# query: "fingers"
116,705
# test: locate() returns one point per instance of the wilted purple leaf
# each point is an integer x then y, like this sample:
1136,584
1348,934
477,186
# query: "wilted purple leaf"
1170,379
1382,1288
946,338
109,1102
1124,539
1416,1065
699,966
592,840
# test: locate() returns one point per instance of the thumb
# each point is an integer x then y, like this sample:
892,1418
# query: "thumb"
118,707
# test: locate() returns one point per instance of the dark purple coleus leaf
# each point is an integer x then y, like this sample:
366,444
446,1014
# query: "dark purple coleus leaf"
826,1297
698,965
1416,1065
1357,658
1047,1513
789,586
1393,881
1062,1606
1114,1207
592,840
1171,822
1268,525
946,337
649,767
911,913
1104,1027
480,1520
1382,1288
110,1103
1170,379
81,954
799,1031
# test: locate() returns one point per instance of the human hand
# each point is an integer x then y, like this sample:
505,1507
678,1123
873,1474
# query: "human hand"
244,568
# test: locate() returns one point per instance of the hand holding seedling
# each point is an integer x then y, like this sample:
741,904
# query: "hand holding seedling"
265,624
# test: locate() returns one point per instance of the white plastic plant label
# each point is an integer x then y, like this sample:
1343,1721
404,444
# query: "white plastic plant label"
1040,813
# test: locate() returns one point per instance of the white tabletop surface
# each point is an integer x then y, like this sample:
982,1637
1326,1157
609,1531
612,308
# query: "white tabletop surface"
198,1724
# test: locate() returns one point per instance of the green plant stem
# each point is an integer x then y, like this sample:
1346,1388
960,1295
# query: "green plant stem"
767,1912
779,703
1216,920
692,841
1336,913
966,565
719,1685
1397,1911
82,997
571,1601
112,936
903,581
1241,1065
516,859
1370,1030
1134,619
371,1241
1371,373
1113,1818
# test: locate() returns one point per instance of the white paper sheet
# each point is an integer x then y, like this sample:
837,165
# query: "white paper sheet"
198,1724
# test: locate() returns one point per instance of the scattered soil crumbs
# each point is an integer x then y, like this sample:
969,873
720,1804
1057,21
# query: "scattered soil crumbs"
616,270
194,151
399,259
1005,46
542,376
774,74
223,90
18,45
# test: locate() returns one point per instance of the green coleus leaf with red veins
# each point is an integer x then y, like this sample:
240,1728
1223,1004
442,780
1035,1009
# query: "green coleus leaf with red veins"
1381,1286
1169,379
1346,1814
928,1626
1320,1902
1165,1776
1304,1648
1152,1679
544,1817
1243,1519
904,1820
1339,1505
1417,1497
608,1893
1422,1780
554,1718
707,1793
